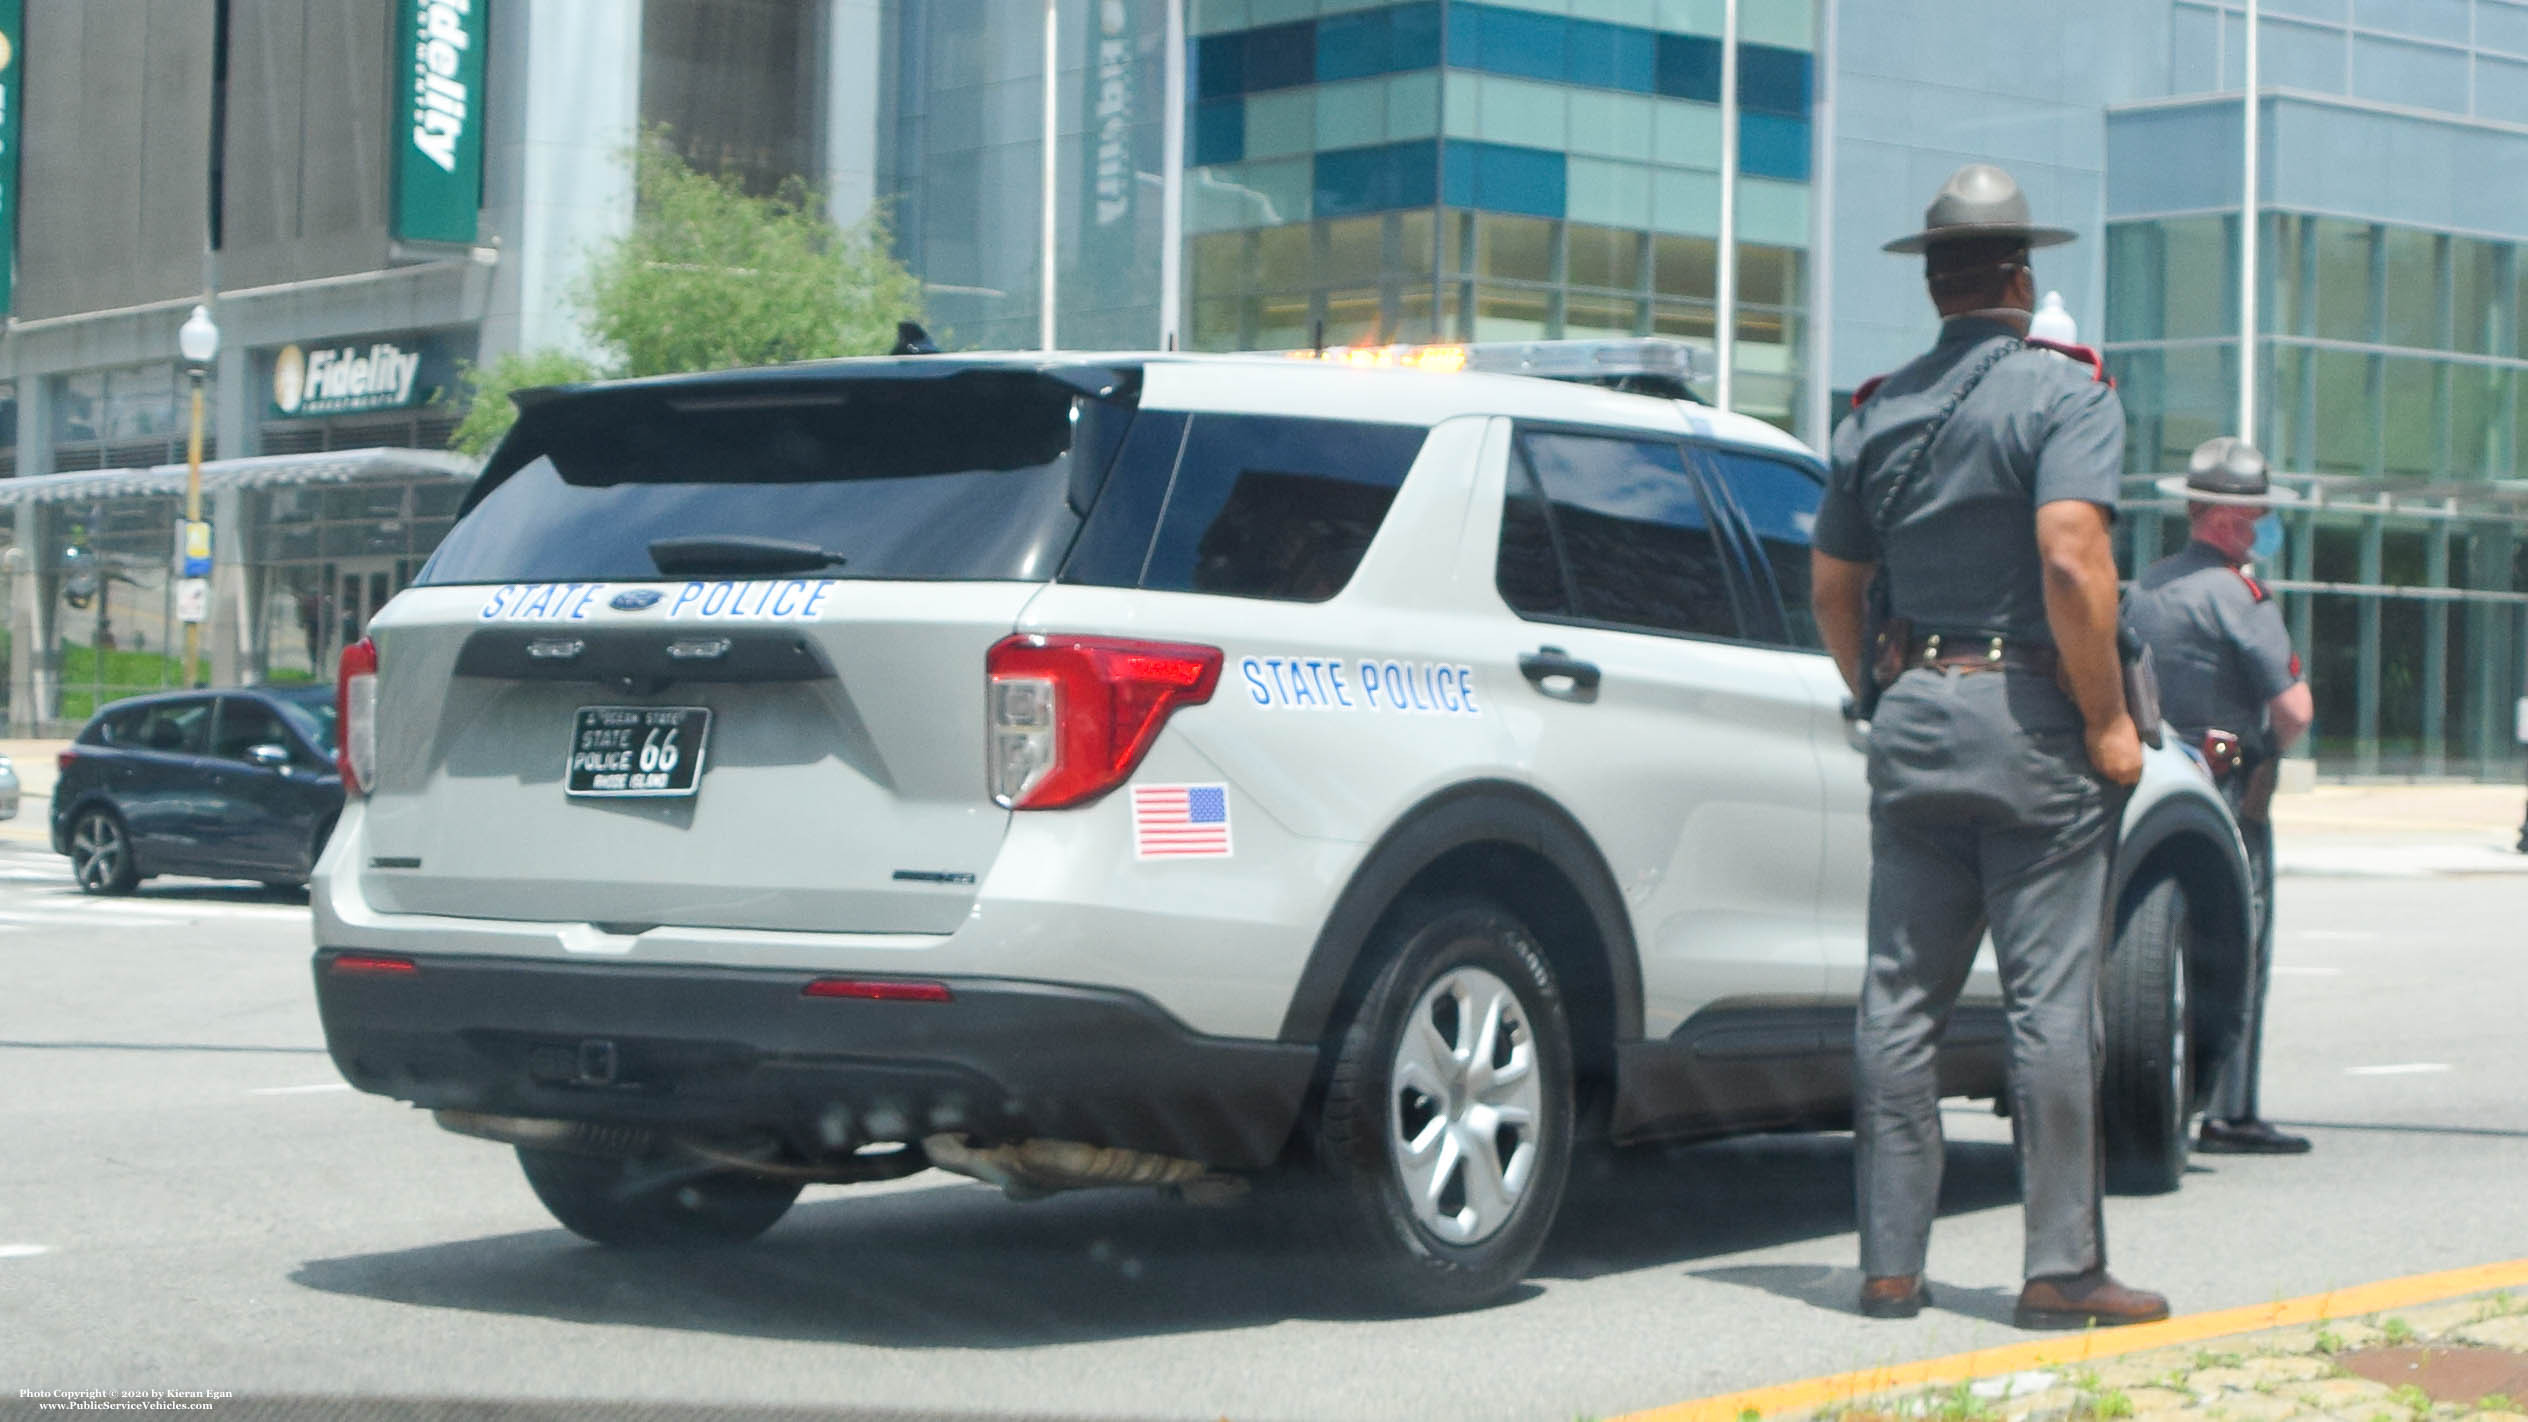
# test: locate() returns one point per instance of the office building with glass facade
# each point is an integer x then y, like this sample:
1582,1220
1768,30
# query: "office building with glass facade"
1350,172
2389,347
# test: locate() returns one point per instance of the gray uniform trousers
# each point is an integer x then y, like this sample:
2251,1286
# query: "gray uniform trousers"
1984,812
2236,1078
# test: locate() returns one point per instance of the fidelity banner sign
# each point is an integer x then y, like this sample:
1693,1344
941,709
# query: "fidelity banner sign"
438,142
11,66
381,373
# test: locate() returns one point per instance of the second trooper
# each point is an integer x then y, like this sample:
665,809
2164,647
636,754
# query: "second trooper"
2231,685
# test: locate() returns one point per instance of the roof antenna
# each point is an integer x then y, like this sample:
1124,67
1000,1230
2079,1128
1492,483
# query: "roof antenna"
911,339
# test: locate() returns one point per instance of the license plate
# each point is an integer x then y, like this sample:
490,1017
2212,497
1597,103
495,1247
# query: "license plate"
637,750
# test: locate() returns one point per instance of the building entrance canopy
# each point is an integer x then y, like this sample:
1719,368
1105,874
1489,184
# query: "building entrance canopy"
307,547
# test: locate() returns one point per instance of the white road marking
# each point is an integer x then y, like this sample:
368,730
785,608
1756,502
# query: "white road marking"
23,1251
300,1090
2398,1069
18,918
2300,972
2335,935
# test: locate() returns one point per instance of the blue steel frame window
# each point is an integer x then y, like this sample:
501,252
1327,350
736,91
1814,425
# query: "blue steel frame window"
1689,68
1393,175
1770,146
1772,81
1499,178
1253,61
1219,132
1367,43
1491,39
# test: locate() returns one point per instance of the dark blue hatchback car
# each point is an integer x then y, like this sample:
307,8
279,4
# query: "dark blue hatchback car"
221,784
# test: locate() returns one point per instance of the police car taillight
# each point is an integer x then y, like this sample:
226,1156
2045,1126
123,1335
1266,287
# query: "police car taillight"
1070,717
355,715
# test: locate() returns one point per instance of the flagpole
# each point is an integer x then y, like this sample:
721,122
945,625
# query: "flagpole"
1049,252
1725,304
2248,243
1172,184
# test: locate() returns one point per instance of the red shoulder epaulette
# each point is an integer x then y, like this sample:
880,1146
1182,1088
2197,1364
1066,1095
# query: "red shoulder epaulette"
2253,586
2086,355
1868,388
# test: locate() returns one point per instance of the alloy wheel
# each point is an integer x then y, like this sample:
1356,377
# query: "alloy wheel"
1465,1099
97,853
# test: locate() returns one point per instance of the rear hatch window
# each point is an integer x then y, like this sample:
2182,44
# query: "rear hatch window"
976,476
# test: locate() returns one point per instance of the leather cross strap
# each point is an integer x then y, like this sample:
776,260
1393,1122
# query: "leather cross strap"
1901,482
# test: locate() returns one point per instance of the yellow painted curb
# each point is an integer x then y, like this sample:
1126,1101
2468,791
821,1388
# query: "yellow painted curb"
2094,1344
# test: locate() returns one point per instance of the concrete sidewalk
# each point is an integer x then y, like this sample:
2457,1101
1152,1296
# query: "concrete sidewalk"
2400,830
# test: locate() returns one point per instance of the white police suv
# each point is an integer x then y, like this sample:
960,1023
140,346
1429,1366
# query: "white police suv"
1146,769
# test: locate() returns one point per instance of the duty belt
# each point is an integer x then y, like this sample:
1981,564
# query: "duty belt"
1979,651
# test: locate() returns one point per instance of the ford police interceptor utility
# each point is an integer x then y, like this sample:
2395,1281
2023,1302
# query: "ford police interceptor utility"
1377,773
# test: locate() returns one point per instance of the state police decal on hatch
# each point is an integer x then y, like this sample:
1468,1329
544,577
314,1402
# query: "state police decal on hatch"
1180,821
767,600
1363,684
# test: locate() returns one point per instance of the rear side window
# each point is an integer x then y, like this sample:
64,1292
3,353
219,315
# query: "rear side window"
968,476
1627,524
1262,506
1780,502
175,727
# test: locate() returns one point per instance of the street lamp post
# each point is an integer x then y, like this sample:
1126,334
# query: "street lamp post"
198,341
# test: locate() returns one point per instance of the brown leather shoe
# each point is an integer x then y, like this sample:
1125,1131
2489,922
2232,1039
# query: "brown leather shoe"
2086,1300
1894,1296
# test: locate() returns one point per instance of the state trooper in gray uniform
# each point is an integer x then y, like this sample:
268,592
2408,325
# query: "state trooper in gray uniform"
1977,485
2231,686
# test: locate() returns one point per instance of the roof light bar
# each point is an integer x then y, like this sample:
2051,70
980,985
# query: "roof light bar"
1648,365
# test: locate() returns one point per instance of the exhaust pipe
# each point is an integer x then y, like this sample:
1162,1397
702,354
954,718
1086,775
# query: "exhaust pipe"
575,1137
612,1142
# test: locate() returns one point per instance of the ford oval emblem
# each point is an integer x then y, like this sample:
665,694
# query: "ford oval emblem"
634,599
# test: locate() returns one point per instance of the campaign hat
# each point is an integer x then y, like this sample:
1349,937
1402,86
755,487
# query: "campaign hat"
1979,201
2226,470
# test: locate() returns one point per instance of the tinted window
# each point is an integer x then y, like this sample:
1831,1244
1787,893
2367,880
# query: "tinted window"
1267,506
312,712
244,724
1528,570
1634,533
1115,541
1780,502
967,477
178,727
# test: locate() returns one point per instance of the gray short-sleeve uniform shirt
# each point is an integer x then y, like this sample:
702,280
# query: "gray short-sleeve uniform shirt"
2218,640
1960,551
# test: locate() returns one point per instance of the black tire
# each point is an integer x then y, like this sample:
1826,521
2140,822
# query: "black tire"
653,1204
2147,1098
1427,955
101,857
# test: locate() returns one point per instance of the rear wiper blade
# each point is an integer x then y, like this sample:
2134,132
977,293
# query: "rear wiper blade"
740,553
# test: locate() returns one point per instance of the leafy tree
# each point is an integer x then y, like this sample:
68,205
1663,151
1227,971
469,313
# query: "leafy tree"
710,277
488,413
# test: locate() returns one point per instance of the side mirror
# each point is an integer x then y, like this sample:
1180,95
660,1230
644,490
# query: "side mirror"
270,757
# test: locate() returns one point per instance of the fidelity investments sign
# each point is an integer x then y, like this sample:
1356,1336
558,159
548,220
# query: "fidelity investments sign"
439,140
345,380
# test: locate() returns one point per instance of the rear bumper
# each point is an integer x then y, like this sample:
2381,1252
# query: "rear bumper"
729,1050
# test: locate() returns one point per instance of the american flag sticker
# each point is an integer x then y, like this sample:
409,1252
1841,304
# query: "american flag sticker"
1180,821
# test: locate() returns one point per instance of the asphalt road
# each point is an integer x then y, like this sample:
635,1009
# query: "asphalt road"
189,1199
